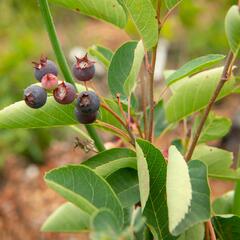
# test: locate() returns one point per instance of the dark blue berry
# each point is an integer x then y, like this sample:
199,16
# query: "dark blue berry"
44,67
83,69
65,93
85,118
88,102
35,96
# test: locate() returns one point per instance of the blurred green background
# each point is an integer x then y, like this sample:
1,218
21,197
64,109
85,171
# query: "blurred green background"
197,29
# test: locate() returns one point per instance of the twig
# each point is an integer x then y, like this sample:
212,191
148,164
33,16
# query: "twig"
151,93
138,127
129,112
116,130
120,121
121,107
224,77
206,231
211,230
169,13
144,109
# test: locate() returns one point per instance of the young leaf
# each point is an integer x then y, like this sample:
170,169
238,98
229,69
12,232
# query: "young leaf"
194,66
196,232
84,188
143,176
130,83
110,161
171,3
104,224
232,28
224,204
144,18
124,68
215,127
125,184
194,94
199,210
227,226
103,54
179,189
218,161
155,210
67,218
107,10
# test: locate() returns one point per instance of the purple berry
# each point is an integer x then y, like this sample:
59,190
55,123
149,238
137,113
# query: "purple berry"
65,93
83,69
49,82
88,102
44,67
85,118
35,96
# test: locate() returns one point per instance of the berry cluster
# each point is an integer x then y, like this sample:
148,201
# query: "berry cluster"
87,104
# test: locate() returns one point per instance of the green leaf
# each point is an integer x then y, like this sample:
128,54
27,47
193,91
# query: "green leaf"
227,227
196,232
84,188
195,93
107,10
200,209
218,161
194,66
144,17
215,127
67,218
179,189
130,83
171,3
155,210
143,176
124,68
110,161
125,184
103,54
104,224
232,28
224,204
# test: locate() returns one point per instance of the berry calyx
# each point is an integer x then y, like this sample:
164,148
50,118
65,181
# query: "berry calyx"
35,96
44,67
85,118
83,69
49,81
88,102
65,93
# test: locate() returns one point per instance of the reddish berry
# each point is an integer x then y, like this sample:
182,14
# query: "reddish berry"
35,96
44,67
65,93
49,81
88,102
85,118
83,69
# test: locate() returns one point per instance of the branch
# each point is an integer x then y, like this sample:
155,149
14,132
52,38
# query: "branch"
225,76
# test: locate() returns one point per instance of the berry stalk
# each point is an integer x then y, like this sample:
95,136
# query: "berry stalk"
47,17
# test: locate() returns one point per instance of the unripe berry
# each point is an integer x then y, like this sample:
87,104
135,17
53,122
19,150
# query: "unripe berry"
83,69
88,102
44,67
49,81
65,93
85,118
35,96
